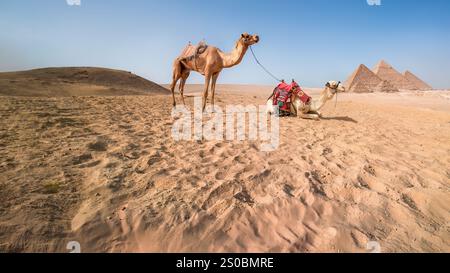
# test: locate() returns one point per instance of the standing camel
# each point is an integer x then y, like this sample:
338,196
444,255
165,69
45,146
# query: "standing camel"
208,61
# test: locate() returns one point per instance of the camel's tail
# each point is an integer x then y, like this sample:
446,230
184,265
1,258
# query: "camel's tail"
177,72
179,66
273,94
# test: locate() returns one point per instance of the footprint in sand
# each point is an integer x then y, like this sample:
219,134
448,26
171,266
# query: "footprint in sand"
369,169
78,160
361,183
155,158
288,189
244,197
220,175
101,145
409,201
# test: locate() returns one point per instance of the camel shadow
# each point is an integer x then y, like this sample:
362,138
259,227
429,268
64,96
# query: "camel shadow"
346,119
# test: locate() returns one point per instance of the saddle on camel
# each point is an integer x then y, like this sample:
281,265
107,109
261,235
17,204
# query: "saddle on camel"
284,95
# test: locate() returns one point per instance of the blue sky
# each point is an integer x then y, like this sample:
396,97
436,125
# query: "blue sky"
311,40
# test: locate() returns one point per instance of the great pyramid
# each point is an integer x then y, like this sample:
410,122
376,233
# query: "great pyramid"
384,78
360,87
418,83
386,87
369,81
386,72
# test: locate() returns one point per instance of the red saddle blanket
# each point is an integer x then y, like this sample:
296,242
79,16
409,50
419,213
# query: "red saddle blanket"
283,95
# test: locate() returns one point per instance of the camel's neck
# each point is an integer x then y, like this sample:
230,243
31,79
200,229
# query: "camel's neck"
234,57
323,99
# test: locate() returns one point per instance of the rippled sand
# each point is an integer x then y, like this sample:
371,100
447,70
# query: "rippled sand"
104,171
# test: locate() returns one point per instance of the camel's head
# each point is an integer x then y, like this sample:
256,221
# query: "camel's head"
248,39
334,87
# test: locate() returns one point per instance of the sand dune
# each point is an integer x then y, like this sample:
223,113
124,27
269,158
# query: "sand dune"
105,172
76,81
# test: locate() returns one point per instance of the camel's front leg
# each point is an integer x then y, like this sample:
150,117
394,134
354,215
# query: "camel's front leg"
294,109
309,116
205,92
213,88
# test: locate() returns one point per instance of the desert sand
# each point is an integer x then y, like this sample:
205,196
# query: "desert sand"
104,171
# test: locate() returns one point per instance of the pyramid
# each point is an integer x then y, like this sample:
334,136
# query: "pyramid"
367,79
386,87
418,83
386,72
359,87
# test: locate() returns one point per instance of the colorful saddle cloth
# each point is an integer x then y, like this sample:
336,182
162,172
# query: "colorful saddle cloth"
283,95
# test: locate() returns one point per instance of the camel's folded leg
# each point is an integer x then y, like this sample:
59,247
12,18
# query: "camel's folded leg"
309,116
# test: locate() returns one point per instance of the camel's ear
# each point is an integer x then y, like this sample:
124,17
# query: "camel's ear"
328,84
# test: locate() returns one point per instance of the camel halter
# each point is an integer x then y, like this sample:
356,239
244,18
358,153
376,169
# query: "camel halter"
336,93
335,103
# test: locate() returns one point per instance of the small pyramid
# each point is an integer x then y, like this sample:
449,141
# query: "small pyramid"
359,87
363,79
418,83
386,72
386,87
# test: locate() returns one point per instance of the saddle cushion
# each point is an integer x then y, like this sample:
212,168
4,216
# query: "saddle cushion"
283,95
303,96
282,98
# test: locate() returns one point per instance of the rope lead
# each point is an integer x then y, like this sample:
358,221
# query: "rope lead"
262,66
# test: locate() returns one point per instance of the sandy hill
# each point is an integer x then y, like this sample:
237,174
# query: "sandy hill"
386,72
76,81
418,83
363,80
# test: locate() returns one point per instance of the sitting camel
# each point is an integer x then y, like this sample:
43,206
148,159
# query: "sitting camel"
311,110
208,61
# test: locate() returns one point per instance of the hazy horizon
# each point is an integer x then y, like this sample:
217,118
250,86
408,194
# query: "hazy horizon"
311,41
